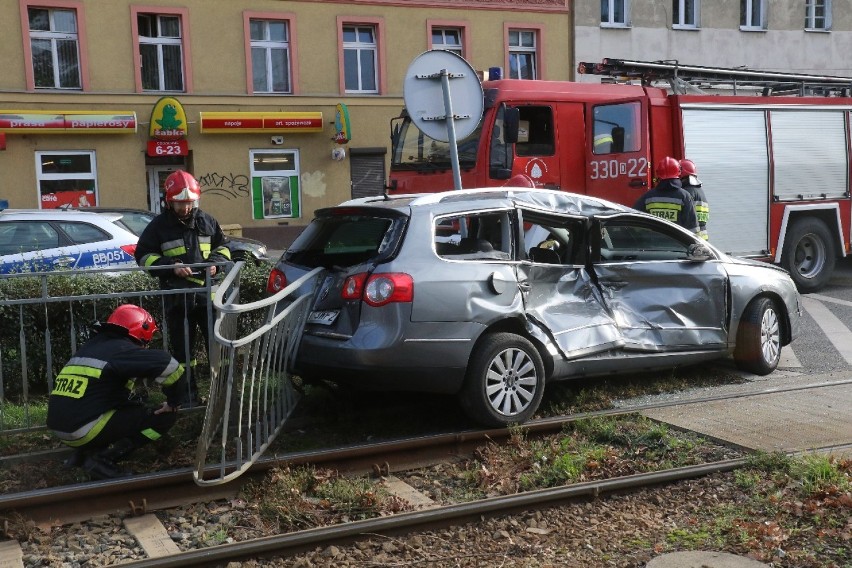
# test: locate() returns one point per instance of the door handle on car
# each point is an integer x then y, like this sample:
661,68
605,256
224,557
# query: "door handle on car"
638,183
525,286
617,284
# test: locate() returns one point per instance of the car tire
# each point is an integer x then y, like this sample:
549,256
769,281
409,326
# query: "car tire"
758,348
809,254
504,381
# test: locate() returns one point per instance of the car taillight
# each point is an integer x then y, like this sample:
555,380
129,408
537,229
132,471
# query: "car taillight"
277,281
129,249
384,289
353,286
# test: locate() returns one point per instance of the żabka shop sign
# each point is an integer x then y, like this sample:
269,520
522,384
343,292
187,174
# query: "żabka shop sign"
168,129
61,122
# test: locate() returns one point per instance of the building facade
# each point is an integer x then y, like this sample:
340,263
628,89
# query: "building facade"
793,36
277,107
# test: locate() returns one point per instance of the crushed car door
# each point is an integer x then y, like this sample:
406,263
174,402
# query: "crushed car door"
662,296
475,282
563,306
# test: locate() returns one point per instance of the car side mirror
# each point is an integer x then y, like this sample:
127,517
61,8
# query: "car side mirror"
698,252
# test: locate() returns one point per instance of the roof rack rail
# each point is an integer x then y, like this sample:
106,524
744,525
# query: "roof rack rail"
683,78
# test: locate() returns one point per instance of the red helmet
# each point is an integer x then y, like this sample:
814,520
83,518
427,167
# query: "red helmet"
668,168
181,186
138,323
520,180
687,168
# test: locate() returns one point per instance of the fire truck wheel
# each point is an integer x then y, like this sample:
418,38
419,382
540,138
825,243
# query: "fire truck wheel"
758,348
808,254
505,380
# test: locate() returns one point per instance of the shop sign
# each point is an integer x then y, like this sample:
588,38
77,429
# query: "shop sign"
168,148
342,130
71,198
263,122
168,120
60,122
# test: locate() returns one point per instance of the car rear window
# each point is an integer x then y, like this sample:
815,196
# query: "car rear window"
82,233
477,236
345,240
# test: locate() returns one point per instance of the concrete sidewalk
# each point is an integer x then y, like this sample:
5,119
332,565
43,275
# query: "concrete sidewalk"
791,421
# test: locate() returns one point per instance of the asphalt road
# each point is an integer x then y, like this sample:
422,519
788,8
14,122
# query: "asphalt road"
825,342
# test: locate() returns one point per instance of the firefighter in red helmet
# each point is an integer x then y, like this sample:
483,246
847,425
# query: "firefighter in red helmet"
691,183
184,234
90,408
668,199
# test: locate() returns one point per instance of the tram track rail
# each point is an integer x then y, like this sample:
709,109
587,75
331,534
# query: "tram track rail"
148,492
291,543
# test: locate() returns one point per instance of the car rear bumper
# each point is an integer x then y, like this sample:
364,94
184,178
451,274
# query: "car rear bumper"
429,357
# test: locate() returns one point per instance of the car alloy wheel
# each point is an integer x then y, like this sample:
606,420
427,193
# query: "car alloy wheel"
505,380
758,348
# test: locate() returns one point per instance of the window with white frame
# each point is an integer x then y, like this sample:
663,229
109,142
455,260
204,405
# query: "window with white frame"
275,183
522,51
66,178
818,14
360,51
55,48
161,52
685,14
448,39
753,14
615,13
270,56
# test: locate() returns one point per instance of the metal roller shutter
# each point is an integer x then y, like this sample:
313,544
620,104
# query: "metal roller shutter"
809,148
729,148
367,172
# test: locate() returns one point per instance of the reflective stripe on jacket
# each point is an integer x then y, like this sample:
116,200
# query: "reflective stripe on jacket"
100,377
167,241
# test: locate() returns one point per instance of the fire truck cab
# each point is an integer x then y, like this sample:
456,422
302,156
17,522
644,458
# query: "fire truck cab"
775,169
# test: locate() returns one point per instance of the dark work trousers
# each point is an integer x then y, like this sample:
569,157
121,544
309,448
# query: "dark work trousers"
189,309
135,422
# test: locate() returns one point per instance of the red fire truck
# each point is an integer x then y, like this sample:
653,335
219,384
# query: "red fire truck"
775,167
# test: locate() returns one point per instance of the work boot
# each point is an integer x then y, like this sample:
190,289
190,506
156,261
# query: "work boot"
99,468
190,399
118,451
76,459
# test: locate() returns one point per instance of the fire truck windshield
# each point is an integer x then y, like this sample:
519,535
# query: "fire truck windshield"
414,151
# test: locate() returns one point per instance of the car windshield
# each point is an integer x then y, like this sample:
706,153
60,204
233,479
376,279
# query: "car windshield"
414,150
345,240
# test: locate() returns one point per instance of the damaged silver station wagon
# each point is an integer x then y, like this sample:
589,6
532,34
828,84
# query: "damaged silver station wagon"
492,293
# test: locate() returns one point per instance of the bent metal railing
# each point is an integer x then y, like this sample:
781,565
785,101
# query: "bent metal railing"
251,389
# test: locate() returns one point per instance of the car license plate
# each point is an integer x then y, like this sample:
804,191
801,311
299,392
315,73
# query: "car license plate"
323,317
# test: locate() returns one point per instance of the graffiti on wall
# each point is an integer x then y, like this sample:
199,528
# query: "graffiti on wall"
229,185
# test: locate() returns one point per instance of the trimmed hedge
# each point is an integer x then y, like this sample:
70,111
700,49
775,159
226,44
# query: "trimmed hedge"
50,331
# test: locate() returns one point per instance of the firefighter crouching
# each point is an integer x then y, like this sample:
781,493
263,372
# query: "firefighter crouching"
691,183
91,409
668,199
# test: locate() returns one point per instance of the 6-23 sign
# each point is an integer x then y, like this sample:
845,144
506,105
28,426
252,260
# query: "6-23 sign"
168,148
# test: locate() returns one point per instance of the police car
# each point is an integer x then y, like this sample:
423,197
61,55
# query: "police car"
135,220
37,240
